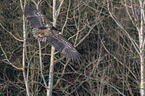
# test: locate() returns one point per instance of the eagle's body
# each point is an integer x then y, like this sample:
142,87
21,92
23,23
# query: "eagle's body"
43,31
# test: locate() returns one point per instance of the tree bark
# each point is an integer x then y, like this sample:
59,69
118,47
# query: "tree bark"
142,55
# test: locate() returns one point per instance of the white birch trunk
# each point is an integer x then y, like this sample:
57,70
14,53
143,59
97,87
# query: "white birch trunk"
50,84
25,75
142,55
55,15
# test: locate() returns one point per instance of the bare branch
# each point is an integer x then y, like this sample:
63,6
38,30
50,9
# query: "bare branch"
24,51
7,60
10,33
41,69
118,23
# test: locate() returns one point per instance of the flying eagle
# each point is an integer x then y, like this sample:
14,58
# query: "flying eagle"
43,30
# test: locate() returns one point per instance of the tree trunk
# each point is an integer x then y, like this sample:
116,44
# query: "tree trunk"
142,55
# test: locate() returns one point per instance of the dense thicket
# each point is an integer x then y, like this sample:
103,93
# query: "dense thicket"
110,65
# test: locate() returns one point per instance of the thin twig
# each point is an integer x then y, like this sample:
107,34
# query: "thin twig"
6,60
41,69
116,89
10,33
118,23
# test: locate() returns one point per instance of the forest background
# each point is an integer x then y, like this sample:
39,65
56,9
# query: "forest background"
109,34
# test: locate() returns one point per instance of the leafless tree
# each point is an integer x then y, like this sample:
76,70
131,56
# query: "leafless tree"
106,33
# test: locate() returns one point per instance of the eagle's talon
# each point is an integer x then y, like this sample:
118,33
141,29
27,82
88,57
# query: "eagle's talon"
40,35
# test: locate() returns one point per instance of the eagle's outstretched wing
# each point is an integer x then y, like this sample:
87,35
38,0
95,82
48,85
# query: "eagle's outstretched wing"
43,30
36,18
61,44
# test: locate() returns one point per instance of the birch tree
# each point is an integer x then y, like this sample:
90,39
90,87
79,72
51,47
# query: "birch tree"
34,75
55,16
25,73
141,48
105,33
135,12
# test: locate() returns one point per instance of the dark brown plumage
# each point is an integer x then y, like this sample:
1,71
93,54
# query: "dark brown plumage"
43,31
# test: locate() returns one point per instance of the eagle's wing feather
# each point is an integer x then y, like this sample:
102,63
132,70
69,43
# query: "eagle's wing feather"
63,45
44,30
